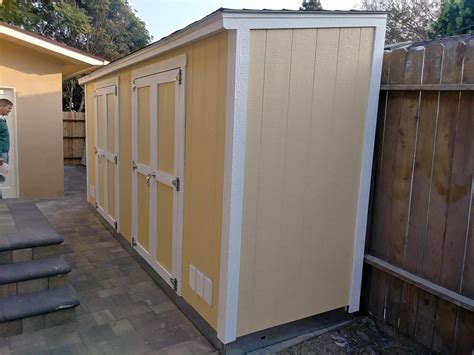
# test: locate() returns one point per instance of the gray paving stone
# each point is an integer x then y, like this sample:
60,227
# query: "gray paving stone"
31,286
5,257
122,326
75,349
46,251
103,317
33,324
34,350
10,328
24,341
58,281
166,337
21,255
164,307
190,347
7,290
98,333
54,319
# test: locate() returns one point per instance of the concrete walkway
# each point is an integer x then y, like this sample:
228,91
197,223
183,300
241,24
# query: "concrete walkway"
122,310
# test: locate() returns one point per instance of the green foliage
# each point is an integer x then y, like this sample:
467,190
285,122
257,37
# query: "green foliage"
456,17
311,5
107,28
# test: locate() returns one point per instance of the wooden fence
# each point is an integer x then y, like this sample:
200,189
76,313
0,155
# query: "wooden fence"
74,136
419,271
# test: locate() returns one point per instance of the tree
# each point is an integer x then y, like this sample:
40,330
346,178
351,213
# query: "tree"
456,17
407,20
107,28
311,5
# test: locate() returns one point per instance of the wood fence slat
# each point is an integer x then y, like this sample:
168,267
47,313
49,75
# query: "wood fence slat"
443,153
464,339
385,67
468,73
408,309
397,66
377,169
74,136
443,337
384,190
377,294
392,301
425,318
459,197
421,182
433,62
452,62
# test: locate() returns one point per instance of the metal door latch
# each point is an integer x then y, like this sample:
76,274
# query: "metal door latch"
134,166
149,176
176,183
134,242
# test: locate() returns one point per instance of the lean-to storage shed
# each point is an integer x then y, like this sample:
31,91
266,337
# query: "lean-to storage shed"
235,155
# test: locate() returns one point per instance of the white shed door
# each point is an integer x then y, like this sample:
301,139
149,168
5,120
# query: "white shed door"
9,187
106,157
157,177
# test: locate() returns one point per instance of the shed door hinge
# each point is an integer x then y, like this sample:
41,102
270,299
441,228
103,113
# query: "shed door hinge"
134,166
115,225
179,77
134,242
116,160
176,183
116,91
134,86
174,283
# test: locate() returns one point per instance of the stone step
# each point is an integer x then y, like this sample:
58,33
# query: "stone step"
33,276
26,246
35,311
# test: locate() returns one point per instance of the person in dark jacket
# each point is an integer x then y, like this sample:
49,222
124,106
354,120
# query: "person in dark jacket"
5,108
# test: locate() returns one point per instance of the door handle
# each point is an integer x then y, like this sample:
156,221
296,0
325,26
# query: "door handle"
149,176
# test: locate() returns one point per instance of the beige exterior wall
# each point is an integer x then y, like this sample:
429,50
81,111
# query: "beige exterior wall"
206,74
37,80
308,93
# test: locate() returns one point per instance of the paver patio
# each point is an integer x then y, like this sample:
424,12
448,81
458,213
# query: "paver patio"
122,311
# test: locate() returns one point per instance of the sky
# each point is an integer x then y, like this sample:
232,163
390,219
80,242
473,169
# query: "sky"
162,17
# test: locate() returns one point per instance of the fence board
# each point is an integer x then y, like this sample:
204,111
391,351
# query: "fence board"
73,136
422,212
459,197
421,182
438,206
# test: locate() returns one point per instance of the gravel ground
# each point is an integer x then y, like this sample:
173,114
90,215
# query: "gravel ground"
362,336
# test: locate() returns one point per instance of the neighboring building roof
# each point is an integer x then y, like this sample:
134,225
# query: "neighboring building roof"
231,19
78,61
409,44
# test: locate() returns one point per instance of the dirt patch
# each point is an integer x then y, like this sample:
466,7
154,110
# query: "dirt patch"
362,336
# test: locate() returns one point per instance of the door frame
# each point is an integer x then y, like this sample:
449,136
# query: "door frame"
105,87
14,157
179,64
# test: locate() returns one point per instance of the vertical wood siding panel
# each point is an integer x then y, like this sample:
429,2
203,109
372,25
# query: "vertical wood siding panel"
348,135
220,157
252,166
289,284
125,154
275,106
315,215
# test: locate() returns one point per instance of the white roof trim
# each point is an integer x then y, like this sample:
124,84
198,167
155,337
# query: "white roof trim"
223,20
22,36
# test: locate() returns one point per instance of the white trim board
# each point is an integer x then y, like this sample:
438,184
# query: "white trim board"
366,169
234,164
222,20
55,48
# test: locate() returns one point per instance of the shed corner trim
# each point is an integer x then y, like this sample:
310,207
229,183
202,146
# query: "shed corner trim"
366,169
234,164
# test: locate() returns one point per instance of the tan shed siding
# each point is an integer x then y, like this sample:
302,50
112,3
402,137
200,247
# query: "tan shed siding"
37,80
206,74
308,92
